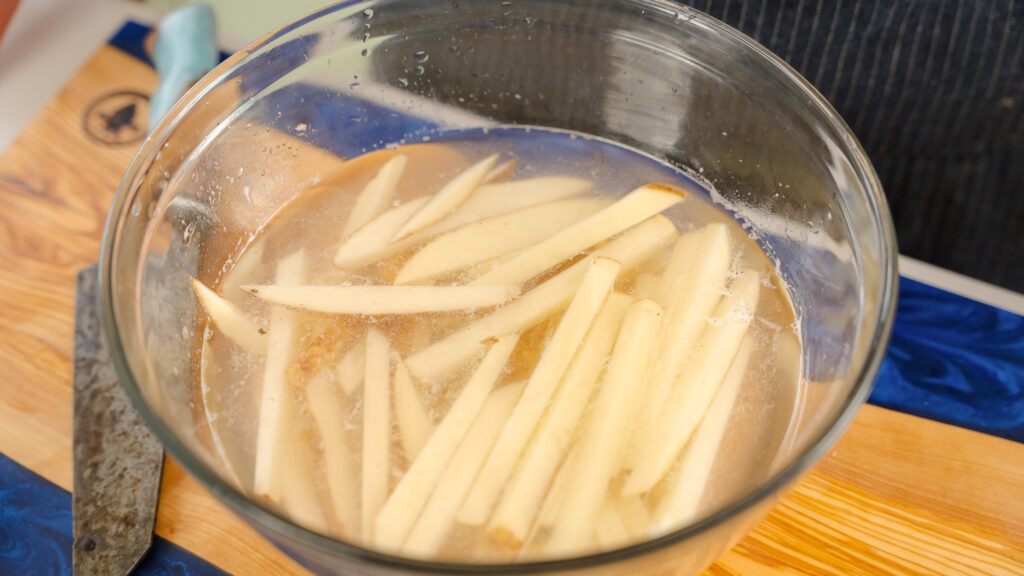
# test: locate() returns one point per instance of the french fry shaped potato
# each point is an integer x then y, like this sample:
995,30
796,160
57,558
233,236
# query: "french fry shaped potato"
610,530
691,287
607,428
299,496
546,299
376,428
633,208
230,320
522,497
370,243
212,419
692,393
439,513
448,198
376,195
500,172
380,300
275,403
351,369
414,426
325,403
554,360
405,504
679,503
494,237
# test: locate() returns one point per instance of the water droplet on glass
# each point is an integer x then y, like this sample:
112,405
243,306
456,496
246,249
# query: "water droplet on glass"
364,52
366,37
368,12
403,81
529,21
419,70
421,56
453,49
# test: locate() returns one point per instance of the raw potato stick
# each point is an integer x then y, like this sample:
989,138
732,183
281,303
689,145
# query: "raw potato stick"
602,444
218,442
351,368
646,286
697,385
679,503
500,172
370,243
691,287
244,271
274,401
414,426
448,198
403,507
525,491
376,196
489,200
325,403
494,237
229,319
439,513
376,428
380,300
299,496
631,209
629,249
554,360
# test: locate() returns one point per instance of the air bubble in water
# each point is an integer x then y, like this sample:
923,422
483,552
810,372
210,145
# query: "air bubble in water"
419,70
188,232
368,13
421,56
529,21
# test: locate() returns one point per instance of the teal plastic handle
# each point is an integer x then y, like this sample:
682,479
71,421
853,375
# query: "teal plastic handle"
185,50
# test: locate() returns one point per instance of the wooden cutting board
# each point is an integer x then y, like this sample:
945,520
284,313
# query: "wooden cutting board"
898,494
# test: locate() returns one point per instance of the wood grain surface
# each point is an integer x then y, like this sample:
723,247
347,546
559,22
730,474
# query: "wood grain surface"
897,495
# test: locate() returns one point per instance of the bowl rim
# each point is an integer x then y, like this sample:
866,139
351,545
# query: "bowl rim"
264,518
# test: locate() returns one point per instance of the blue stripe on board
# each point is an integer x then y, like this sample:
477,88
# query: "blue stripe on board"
956,361
35,531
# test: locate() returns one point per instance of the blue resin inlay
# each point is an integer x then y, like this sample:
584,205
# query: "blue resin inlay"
35,531
955,360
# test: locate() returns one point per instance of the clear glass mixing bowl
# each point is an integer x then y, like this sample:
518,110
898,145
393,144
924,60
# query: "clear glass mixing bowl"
354,77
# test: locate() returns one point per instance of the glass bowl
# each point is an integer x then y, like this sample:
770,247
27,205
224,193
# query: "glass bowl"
355,77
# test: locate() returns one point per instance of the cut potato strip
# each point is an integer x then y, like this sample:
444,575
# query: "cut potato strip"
414,426
244,271
607,428
439,513
325,403
680,502
351,369
403,507
211,419
556,494
229,319
378,300
448,198
494,237
629,249
554,360
369,244
275,404
300,497
500,172
376,196
635,516
376,428
691,287
610,530
692,393
631,209
525,491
